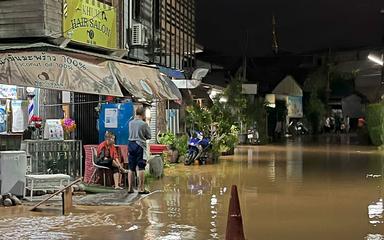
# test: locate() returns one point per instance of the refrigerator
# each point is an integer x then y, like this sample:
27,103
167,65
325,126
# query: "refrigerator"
13,166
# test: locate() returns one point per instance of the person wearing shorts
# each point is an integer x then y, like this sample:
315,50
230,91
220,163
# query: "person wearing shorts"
139,133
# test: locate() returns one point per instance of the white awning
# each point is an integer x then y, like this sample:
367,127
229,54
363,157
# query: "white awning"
186,84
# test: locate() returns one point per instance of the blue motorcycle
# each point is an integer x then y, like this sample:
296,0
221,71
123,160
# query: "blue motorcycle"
198,148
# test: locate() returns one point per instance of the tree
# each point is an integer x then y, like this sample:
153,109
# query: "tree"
315,112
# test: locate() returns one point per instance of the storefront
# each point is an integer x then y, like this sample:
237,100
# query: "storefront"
286,102
43,67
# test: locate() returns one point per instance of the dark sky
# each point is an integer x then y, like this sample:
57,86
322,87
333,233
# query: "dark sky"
302,25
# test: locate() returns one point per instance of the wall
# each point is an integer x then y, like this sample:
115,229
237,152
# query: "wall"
30,18
140,52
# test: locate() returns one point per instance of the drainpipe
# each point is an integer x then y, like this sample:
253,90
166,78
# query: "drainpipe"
130,14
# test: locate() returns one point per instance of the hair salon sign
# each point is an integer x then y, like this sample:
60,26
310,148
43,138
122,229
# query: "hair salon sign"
90,22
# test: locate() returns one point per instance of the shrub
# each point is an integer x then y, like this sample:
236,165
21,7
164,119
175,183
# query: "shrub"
375,123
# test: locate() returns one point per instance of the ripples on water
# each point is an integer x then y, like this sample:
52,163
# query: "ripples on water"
50,227
286,192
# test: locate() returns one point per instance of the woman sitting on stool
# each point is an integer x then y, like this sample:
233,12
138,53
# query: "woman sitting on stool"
107,156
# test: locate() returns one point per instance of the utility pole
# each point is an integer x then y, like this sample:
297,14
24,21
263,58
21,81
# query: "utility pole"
275,45
328,87
245,57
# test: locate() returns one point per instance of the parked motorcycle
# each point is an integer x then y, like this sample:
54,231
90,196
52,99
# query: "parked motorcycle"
198,148
253,136
297,128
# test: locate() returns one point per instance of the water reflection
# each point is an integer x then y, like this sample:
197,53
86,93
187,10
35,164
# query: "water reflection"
286,192
53,227
272,167
375,212
294,168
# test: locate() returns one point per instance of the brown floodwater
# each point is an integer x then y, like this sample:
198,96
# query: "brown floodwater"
286,192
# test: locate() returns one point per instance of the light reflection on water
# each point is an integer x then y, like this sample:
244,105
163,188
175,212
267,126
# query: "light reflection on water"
286,192
375,212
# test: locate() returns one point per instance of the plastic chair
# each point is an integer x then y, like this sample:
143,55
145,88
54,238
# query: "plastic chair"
96,167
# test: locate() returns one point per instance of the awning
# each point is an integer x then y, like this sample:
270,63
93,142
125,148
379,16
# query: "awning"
196,80
58,70
186,84
172,73
48,66
144,82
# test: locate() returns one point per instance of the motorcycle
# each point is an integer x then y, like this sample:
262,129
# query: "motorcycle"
253,136
297,128
198,148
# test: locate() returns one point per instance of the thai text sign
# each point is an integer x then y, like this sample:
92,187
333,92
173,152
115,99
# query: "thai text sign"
68,72
90,22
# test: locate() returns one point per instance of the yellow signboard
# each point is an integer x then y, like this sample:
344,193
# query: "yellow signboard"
90,22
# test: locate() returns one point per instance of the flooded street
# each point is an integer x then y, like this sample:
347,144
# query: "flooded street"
286,192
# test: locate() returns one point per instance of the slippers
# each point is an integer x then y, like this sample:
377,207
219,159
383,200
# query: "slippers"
144,192
119,188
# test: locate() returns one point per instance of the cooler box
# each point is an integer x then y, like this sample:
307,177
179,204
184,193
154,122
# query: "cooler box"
13,165
157,148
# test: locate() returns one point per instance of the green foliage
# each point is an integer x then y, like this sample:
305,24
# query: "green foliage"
258,114
198,118
181,144
236,101
316,81
166,138
315,111
226,139
341,83
375,123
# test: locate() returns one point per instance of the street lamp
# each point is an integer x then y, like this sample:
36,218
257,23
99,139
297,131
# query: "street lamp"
378,60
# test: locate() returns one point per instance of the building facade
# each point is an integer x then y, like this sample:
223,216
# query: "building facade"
104,34
162,32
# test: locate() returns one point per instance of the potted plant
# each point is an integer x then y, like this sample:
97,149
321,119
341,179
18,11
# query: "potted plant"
181,146
36,126
69,126
169,140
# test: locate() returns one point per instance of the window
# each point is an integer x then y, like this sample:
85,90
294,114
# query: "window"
136,9
156,13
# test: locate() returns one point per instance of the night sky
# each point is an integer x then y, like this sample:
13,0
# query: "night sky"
302,25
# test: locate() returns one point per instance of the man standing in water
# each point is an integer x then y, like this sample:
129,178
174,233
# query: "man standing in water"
139,132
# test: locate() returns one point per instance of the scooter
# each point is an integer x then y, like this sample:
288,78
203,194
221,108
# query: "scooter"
301,129
198,148
253,136
297,128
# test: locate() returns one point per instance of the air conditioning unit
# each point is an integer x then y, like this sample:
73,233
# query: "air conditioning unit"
139,36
